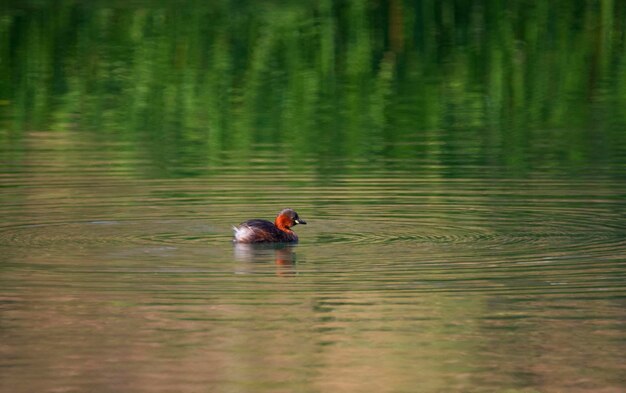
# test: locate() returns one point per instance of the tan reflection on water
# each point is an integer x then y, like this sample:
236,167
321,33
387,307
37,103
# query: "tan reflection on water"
161,336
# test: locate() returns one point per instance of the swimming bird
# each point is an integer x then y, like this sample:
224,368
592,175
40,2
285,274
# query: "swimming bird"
263,231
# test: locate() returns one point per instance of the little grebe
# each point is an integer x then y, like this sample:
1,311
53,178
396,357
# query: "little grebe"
263,231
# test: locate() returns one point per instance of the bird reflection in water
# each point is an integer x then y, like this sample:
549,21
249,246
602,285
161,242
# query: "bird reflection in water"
281,254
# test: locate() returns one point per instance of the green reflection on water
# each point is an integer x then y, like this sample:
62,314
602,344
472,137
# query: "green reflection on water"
513,84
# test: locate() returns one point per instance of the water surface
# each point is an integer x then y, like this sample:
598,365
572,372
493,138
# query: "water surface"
461,171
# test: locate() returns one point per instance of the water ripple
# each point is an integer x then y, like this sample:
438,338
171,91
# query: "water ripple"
501,233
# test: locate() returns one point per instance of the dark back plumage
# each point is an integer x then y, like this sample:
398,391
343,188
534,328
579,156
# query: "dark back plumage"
259,231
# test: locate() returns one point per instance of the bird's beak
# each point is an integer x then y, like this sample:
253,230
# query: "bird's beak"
300,221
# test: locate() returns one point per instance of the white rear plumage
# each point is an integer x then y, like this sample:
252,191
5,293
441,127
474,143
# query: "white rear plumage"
243,233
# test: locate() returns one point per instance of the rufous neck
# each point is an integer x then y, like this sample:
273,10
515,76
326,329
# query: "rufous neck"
283,223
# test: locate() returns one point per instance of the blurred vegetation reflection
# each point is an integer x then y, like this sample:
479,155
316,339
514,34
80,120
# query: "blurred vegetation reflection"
519,83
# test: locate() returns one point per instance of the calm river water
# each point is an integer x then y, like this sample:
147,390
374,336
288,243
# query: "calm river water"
462,172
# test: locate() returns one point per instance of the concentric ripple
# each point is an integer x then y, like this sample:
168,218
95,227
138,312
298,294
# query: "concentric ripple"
518,231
